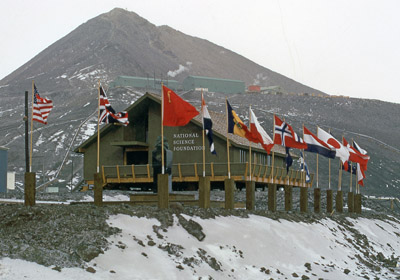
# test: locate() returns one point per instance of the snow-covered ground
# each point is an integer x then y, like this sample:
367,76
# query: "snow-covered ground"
256,247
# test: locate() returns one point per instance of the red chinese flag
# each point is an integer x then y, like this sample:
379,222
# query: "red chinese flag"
177,112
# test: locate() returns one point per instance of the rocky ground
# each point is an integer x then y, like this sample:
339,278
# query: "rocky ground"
70,235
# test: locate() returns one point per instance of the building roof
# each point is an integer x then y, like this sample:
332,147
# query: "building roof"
212,79
146,79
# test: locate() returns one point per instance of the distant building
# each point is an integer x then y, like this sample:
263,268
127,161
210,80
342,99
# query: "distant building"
143,83
214,84
253,88
272,90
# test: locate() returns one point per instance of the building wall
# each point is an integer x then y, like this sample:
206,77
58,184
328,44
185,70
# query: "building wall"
109,155
145,83
213,85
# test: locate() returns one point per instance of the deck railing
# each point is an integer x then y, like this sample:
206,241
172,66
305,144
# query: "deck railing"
190,172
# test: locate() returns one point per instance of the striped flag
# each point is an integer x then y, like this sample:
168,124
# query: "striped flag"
41,107
207,124
316,145
107,113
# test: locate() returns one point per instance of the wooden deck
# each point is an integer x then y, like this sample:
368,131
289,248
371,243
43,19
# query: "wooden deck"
218,172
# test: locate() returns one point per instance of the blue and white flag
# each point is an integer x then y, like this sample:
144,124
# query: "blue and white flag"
207,124
304,167
316,145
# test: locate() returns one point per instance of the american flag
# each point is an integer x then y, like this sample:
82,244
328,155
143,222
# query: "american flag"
41,107
107,113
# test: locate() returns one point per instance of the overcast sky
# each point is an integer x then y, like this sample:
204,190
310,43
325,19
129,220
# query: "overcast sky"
341,47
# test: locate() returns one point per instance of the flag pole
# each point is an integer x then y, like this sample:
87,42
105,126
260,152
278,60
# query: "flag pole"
317,161
31,149
351,172
250,143
227,138
162,128
204,147
98,129
273,155
351,177
356,180
340,176
304,164
329,162
340,173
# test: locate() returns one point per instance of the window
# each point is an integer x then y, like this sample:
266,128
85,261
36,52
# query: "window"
242,155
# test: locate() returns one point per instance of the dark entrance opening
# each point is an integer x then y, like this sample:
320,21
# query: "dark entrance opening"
136,157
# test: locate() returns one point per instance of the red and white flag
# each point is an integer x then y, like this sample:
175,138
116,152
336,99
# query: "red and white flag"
41,107
341,151
284,135
360,168
259,133
356,156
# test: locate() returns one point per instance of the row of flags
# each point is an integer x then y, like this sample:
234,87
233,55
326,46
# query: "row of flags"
178,112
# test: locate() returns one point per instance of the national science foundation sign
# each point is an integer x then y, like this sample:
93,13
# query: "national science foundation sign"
186,142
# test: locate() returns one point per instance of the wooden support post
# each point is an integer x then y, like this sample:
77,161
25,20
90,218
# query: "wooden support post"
162,191
204,192
133,172
339,202
180,171
303,199
103,174
272,197
30,188
118,175
350,202
250,195
98,189
329,201
357,203
392,204
148,171
317,200
288,198
229,193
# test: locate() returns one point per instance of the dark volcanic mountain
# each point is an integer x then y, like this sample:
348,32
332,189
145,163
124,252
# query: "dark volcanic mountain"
122,43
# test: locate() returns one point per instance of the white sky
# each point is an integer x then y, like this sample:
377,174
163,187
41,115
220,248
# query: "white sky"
340,47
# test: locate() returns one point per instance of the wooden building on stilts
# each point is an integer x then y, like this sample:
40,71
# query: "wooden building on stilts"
126,153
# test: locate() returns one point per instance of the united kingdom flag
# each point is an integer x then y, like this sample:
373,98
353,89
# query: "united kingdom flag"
284,135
